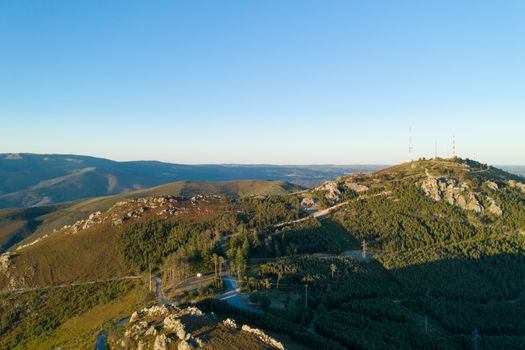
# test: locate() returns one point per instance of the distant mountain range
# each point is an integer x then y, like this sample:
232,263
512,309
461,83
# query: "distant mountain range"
514,169
37,179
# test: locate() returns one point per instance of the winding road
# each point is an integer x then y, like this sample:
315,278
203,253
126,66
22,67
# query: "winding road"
233,295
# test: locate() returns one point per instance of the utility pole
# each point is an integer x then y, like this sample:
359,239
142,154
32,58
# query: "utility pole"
150,277
306,296
363,249
475,339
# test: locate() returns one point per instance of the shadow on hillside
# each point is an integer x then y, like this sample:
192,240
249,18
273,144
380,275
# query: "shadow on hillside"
325,236
467,293
31,220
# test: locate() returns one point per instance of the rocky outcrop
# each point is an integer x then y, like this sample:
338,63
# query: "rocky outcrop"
518,185
5,262
492,185
185,345
168,327
156,311
493,207
331,190
309,203
161,342
162,206
459,194
451,191
174,324
31,243
354,186
146,331
265,338
230,323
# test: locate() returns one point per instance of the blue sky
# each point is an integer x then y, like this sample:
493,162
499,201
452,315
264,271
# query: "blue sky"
274,81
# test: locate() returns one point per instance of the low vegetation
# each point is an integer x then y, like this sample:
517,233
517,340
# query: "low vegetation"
68,317
435,273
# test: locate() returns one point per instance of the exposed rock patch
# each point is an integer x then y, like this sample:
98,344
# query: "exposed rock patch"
31,243
5,262
264,337
331,189
492,185
494,208
229,322
354,186
160,206
309,202
459,194
451,191
518,185
168,327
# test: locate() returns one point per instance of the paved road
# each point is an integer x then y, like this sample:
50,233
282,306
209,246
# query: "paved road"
160,295
233,295
324,212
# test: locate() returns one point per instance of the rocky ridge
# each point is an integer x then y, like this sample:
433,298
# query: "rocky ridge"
160,206
333,191
168,327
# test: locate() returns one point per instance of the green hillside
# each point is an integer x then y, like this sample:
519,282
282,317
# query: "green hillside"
18,224
445,254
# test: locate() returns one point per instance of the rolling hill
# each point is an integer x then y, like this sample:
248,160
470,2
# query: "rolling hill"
34,180
444,260
17,224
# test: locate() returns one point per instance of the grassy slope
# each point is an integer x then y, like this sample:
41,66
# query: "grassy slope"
80,332
90,254
68,318
16,225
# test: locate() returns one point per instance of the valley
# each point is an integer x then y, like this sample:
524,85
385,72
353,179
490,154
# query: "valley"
444,261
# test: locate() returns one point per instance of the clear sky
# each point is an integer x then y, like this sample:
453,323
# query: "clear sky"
273,81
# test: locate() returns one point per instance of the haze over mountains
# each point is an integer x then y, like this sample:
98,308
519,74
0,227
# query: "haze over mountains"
38,179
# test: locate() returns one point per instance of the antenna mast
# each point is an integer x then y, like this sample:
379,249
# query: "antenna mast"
436,150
